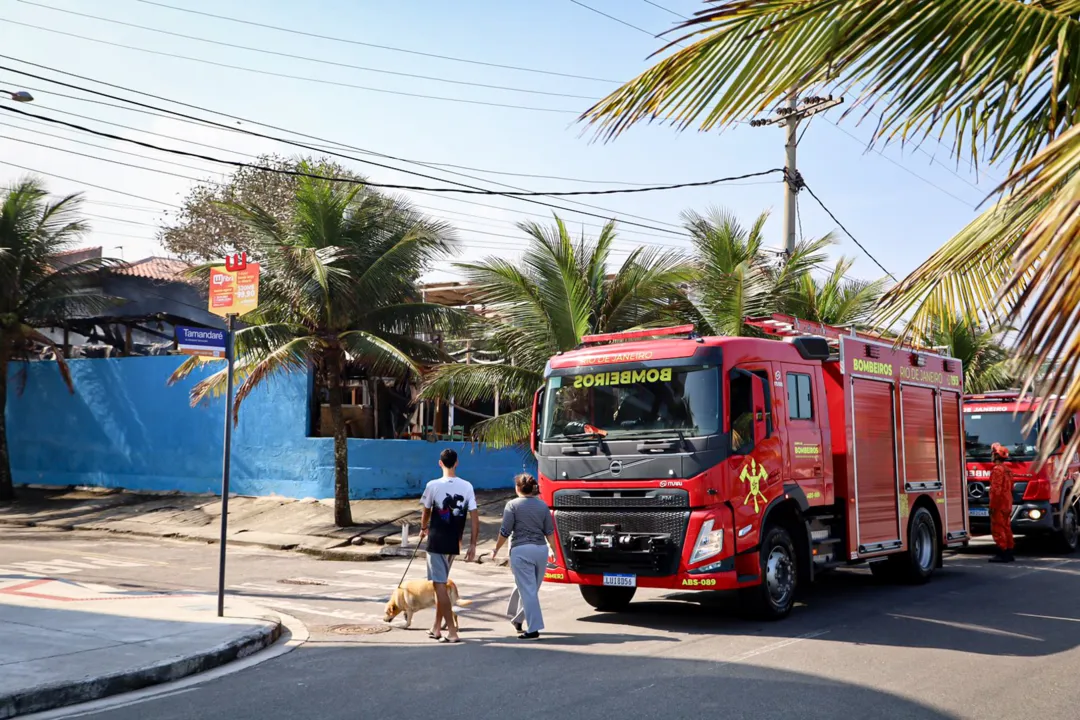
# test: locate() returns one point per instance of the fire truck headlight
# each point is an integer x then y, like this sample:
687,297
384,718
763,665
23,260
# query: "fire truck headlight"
709,543
1034,514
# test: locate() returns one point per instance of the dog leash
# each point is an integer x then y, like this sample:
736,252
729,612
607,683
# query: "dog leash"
409,565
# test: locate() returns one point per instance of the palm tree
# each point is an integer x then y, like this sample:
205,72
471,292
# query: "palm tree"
837,300
338,289
543,304
37,289
987,363
1000,76
737,277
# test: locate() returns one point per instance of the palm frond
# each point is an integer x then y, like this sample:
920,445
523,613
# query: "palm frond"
472,383
418,318
507,430
377,353
999,73
29,334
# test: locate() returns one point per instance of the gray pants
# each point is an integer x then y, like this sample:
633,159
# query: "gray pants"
528,563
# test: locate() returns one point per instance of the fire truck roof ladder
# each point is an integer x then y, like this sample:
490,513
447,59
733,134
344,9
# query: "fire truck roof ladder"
787,326
685,330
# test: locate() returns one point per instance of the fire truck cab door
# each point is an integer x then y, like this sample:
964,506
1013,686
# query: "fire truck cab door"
803,414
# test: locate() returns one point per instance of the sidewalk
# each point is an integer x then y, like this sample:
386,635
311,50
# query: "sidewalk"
271,522
64,642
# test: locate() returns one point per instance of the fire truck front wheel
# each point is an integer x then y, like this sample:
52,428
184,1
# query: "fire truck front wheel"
774,597
607,599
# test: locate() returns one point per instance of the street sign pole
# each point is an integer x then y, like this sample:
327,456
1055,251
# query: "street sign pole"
234,291
230,356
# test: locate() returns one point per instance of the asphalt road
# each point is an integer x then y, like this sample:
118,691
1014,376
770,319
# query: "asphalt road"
979,641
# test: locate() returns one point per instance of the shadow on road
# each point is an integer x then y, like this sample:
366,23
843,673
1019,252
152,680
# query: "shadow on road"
524,682
1026,609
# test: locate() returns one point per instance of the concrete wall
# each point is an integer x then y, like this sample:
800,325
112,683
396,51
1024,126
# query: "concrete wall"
124,427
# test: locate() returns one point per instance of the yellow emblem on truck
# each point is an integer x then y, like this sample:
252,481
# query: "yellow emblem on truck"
753,473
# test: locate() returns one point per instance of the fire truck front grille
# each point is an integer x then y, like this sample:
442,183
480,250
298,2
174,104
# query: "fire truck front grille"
621,499
641,522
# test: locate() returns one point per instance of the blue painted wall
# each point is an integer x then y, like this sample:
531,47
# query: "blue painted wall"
124,427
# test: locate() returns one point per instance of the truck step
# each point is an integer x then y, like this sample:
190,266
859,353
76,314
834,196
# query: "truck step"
826,541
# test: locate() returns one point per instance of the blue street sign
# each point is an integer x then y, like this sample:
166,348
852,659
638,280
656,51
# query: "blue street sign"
205,342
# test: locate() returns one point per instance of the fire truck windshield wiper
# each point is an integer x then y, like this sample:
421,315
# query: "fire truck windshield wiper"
584,436
679,433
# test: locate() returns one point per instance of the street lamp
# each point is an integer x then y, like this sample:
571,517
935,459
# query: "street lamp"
18,95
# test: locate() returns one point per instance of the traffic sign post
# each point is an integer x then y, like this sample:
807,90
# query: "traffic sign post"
234,290
230,356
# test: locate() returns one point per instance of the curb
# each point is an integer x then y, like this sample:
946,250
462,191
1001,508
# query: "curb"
50,697
341,554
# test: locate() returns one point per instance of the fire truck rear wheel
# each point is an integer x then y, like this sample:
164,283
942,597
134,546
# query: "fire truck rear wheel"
918,563
607,599
774,597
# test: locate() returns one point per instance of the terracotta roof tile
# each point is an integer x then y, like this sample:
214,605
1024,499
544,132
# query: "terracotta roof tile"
156,268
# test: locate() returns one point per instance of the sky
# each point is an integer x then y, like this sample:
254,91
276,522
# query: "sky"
900,203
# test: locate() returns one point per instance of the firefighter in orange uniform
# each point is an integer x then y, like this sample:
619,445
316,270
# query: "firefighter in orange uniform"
1001,495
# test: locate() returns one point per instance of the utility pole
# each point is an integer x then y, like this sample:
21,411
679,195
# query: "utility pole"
790,116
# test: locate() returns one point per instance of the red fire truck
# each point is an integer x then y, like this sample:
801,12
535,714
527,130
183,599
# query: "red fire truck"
1044,503
676,461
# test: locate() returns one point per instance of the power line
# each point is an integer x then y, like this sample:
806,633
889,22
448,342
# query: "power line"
612,17
87,184
452,199
905,168
665,9
210,123
95,157
307,58
306,146
287,76
353,181
135,222
95,145
846,231
331,38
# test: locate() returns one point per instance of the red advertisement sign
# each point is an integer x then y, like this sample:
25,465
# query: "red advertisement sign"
234,292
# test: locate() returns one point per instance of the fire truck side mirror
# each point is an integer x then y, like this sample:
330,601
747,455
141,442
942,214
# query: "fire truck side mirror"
761,429
534,434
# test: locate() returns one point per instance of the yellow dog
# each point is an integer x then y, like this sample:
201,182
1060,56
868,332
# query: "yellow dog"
416,595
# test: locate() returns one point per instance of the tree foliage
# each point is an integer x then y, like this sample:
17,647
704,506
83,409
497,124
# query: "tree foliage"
205,229
737,277
559,291
38,288
338,288
986,361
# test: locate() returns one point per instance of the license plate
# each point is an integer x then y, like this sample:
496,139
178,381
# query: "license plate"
979,512
620,580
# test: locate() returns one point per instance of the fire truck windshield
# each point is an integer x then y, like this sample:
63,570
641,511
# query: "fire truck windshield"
981,430
616,403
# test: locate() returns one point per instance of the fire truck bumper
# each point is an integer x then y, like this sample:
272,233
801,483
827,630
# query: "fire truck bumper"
724,578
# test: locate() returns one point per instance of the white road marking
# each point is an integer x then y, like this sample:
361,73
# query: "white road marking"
1031,570
986,630
1049,617
66,566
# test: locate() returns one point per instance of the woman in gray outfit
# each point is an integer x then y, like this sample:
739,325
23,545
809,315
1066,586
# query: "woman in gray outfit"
527,522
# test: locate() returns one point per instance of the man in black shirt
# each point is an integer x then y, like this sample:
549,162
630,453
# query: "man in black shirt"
446,501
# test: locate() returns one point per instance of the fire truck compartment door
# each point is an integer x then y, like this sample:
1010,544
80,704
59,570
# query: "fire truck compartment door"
802,396
877,512
919,439
954,465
